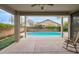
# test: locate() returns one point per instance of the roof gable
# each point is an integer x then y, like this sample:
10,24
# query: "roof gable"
49,21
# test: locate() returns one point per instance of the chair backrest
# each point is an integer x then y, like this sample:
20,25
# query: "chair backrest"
77,38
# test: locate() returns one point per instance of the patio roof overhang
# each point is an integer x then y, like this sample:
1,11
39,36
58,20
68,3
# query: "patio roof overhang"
26,9
7,8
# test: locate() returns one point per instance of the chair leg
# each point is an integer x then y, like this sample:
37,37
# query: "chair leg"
67,46
75,46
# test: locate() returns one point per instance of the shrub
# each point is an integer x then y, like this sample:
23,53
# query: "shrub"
5,26
65,27
54,27
38,27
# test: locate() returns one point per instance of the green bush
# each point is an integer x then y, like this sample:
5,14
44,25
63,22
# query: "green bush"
38,27
51,27
54,28
65,29
59,28
5,26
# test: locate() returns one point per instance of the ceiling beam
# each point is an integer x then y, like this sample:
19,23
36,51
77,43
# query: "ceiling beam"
75,13
44,13
7,8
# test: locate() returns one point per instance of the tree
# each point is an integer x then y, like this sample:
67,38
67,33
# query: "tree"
30,22
11,19
65,26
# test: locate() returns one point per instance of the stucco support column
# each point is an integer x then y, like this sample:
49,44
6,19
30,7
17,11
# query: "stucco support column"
25,26
17,26
70,23
62,26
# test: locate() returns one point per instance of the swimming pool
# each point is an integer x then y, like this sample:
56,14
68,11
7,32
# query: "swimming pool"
44,33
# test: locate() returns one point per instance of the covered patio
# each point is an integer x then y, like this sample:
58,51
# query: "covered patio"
26,45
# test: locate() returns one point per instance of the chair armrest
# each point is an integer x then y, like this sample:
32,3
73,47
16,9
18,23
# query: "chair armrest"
68,38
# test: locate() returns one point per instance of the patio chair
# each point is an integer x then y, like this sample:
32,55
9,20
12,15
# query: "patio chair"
73,42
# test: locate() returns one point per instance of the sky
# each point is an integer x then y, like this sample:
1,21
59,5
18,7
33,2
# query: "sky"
5,18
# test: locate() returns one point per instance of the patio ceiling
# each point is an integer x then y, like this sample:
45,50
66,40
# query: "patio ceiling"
55,9
47,8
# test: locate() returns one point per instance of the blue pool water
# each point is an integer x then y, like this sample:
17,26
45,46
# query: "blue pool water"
44,33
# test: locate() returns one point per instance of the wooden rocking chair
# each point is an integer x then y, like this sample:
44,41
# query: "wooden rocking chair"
73,42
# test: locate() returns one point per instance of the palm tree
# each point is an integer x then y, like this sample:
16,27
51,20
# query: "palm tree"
11,19
22,21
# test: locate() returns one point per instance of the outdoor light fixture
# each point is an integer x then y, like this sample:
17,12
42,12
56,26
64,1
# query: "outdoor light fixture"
41,5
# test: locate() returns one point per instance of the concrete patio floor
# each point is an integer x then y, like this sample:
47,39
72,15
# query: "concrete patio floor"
36,44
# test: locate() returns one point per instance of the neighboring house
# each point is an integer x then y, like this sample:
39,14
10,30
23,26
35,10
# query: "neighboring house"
48,22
